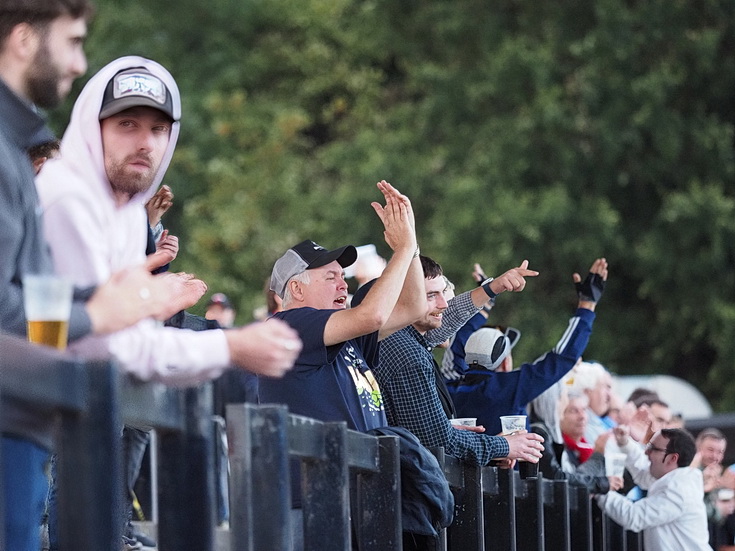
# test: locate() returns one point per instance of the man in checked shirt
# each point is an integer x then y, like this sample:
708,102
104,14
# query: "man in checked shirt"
407,373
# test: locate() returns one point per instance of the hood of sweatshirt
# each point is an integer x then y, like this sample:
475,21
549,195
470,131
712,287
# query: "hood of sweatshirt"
81,146
75,186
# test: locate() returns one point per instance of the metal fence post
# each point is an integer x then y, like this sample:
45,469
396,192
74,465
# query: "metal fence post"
326,496
269,479
614,534
530,507
556,515
499,489
634,540
599,533
580,508
89,469
378,496
186,477
241,491
467,531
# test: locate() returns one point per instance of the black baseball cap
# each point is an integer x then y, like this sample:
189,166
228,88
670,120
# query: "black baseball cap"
133,88
305,256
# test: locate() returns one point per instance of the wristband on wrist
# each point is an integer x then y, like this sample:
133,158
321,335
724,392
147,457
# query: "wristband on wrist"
486,287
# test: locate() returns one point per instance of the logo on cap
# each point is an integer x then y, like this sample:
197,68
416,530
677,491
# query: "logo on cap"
139,84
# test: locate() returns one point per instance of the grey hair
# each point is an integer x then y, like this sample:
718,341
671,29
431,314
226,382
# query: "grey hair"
304,278
545,408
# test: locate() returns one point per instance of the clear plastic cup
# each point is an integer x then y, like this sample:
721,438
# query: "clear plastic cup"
614,463
512,423
47,304
464,422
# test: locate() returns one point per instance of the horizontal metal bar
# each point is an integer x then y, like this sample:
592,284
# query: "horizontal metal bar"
306,437
152,404
48,378
362,451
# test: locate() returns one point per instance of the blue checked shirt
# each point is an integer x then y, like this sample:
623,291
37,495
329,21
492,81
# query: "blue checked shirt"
408,382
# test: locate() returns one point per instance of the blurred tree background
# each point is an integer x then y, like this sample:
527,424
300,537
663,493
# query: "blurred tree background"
552,131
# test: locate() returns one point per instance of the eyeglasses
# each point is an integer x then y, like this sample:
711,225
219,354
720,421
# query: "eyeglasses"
650,448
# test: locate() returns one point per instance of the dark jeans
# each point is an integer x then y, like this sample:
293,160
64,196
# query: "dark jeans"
135,441
25,486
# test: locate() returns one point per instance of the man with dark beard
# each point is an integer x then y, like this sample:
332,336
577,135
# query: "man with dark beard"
40,56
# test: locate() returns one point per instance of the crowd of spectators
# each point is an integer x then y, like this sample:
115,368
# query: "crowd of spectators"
404,351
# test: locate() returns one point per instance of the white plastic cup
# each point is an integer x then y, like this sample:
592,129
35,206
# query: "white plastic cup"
512,423
464,422
614,463
47,304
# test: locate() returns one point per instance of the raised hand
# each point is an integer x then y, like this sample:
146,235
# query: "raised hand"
158,204
591,289
621,433
478,274
167,248
513,280
397,218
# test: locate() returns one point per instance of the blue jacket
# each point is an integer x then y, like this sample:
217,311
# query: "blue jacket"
427,502
488,394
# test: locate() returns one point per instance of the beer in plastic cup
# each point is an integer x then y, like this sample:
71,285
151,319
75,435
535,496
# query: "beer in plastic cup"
47,303
512,423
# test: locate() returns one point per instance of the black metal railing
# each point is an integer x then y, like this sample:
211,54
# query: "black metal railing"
350,483
90,401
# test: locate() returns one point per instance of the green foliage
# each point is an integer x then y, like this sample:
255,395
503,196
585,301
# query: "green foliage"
553,131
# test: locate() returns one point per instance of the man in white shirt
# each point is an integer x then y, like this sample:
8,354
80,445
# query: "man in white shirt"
672,515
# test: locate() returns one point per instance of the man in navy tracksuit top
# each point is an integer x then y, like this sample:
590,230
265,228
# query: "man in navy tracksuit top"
491,388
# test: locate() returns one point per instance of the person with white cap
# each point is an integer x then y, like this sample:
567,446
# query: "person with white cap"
491,387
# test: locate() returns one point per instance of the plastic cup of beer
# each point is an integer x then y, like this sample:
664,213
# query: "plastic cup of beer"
464,421
614,463
47,303
512,424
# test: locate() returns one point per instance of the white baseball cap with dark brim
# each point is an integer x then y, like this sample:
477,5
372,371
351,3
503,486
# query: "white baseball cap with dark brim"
136,87
305,256
488,347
